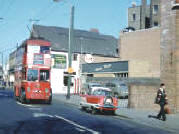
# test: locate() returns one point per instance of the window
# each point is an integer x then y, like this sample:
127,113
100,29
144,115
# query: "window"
32,75
75,56
65,81
44,75
155,24
101,92
155,9
121,75
90,75
38,59
110,85
44,49
134,17
23,74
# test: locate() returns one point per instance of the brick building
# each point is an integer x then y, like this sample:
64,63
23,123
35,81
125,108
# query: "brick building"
142,50
101,48
167,57
170,51
144,16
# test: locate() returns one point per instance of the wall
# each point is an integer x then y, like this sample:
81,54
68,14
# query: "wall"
142,50
155,17
99,58
142,96
169,54
143,13
103,75
131,23
57,76
177,60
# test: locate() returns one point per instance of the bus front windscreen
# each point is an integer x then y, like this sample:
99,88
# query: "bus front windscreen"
32,75
44,75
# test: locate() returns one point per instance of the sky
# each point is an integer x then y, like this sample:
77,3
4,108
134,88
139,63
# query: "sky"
108,16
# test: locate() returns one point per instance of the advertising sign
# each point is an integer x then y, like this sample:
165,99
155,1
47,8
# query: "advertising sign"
38,59
59,61
33,49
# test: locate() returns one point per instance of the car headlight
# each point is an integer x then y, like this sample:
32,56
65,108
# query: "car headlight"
46,90
108,101
28,89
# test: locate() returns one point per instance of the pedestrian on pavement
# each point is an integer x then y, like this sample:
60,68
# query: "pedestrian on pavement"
162,99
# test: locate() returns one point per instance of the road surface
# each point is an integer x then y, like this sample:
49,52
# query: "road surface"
60,118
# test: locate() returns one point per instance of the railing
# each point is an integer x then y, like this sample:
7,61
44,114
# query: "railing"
128,81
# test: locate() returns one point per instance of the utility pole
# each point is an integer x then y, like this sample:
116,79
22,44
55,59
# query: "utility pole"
2,65
69,50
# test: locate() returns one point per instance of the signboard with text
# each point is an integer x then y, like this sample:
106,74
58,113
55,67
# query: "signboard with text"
59,61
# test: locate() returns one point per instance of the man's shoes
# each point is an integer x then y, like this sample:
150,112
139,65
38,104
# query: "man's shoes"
164,119
158,117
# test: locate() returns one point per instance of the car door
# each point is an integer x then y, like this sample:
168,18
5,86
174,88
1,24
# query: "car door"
94,98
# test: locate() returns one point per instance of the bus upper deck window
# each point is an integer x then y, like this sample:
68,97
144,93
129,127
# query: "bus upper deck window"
44,75
44,49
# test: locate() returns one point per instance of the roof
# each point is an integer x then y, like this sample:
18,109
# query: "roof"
105,67
100,88
84,41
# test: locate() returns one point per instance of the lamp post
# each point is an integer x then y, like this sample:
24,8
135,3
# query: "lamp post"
2,71
70,42
69,49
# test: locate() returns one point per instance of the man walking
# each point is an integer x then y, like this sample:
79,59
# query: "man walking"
161,96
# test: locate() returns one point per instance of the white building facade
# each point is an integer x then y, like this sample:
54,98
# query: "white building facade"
59,77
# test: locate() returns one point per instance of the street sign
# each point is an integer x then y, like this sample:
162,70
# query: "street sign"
89,58
70,70
67,73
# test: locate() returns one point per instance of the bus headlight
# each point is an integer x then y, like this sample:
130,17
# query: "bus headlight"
28,89
46,90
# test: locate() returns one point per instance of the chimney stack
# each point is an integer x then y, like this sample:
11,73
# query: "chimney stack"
95,30
143,13
134,4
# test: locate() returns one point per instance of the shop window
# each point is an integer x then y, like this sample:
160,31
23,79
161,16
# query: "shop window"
90,75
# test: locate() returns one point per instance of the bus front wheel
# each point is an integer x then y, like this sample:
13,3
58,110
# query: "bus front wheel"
22,97
49,101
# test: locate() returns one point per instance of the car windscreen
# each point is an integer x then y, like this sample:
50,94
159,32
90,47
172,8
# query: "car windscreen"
44,75
101,92
96,85
32,75
110,85
123,85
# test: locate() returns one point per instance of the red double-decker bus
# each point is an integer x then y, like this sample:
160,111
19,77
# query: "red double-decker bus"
32,71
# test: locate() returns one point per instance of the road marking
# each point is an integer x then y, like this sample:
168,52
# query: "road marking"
4,95
26,105
77,125
79,129
42,115
36,108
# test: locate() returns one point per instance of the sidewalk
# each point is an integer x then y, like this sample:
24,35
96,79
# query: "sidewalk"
138,116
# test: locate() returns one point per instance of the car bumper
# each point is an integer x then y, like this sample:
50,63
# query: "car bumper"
100,107
106,107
